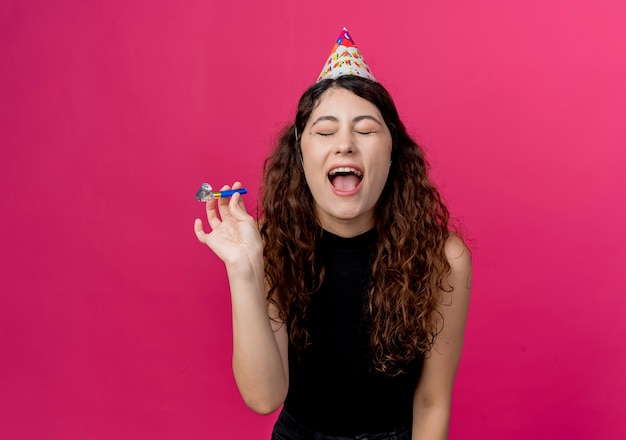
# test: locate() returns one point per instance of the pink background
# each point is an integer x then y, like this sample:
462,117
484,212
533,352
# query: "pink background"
115,322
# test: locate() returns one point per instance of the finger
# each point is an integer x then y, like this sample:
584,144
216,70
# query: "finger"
240,199
240,203
238,208
211,214
199,230
222,204
237,205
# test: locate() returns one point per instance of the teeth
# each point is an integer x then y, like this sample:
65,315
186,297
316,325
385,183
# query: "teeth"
345,170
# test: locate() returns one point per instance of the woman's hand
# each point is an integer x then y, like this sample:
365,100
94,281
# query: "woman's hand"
234,235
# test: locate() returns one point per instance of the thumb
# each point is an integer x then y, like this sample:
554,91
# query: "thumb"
238,207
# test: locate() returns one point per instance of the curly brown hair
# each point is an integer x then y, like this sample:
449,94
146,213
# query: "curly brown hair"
410,267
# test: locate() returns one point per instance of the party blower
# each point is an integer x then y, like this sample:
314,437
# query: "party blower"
206,193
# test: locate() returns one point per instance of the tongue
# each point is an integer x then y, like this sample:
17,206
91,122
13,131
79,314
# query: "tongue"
346,182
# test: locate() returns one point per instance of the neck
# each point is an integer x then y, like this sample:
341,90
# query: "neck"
347,228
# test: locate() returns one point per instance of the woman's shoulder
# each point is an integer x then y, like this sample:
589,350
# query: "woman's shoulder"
460,261
458,254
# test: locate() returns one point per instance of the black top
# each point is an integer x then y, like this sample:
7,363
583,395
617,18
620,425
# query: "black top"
333,385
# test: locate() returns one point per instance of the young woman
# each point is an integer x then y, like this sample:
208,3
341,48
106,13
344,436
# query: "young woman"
350,295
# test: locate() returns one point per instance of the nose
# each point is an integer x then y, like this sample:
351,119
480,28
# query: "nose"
345,143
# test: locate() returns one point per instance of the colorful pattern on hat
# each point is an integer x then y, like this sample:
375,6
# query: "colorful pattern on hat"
345,59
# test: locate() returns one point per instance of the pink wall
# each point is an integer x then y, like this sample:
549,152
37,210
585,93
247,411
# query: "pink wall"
115,323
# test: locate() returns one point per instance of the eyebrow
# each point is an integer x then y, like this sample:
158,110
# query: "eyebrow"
356,119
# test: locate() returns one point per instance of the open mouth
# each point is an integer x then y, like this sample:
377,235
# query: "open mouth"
345,178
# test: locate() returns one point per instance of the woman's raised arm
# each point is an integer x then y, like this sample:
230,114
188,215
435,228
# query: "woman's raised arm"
260,362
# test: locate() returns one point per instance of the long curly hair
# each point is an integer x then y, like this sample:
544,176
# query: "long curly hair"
410,267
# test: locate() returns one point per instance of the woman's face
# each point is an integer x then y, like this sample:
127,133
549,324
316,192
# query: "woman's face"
346,153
